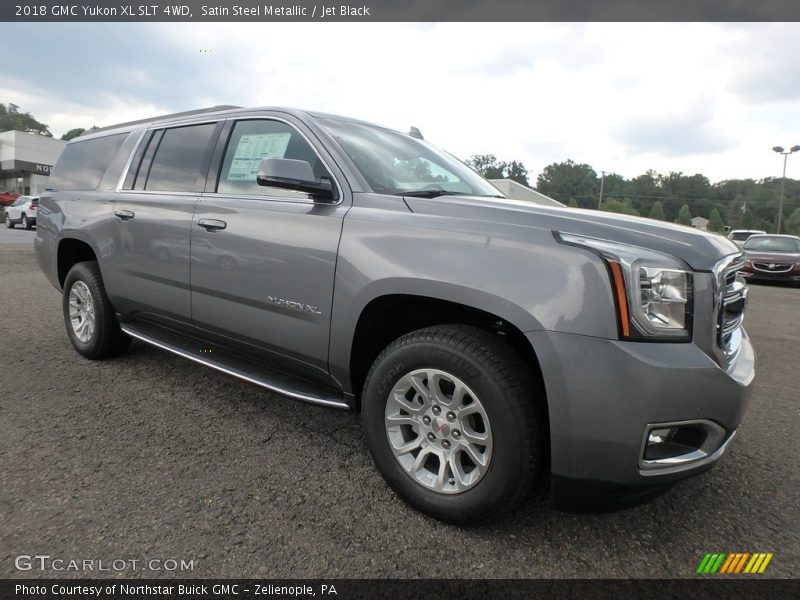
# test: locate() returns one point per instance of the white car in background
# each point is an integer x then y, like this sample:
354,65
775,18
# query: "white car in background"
22,212
740,236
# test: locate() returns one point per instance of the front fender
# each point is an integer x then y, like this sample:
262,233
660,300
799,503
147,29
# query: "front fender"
518,273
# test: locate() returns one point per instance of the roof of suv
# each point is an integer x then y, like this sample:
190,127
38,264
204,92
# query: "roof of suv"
219,110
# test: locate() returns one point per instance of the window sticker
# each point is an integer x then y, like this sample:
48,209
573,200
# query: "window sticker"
252,149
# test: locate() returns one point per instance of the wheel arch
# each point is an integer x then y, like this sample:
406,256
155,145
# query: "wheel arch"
382,317
70,251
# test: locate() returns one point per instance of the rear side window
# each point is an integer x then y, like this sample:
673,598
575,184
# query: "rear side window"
83,164
179,159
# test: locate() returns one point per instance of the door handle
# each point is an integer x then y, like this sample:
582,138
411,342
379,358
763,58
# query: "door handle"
212,224
125,215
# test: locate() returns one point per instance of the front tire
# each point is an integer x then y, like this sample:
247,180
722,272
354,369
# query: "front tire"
89,317
450,418
9,223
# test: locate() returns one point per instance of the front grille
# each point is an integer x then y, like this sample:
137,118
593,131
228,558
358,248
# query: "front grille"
731,301
772,267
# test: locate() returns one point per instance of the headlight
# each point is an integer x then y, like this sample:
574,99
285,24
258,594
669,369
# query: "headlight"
652,291
663,294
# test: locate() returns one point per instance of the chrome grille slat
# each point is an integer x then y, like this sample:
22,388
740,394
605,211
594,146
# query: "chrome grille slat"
732,299
772,267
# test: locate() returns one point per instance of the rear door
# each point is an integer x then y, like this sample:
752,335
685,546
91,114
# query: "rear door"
153,213
263,259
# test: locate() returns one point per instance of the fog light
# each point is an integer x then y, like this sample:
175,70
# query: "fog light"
671,444
659,436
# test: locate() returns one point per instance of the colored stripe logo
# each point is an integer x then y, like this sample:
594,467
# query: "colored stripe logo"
733,563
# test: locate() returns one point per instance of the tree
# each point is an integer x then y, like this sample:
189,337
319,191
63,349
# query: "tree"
657,212
487,165
572,203
570,181
747,220
73,133
793,223
619,206
715,222
684,216
12,119
516,170
491,168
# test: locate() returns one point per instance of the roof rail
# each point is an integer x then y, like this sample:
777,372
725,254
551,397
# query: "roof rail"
187,113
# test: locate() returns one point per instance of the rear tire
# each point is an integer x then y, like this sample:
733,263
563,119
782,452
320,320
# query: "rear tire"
26,224
426,389
88,315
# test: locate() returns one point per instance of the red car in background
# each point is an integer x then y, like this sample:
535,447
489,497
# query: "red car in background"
7,197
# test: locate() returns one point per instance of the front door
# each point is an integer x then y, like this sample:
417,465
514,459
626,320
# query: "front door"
263,259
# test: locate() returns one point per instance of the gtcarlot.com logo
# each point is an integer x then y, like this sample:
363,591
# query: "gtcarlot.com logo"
734,562
45,562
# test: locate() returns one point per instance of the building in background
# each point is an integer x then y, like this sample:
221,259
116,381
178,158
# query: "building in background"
517,191
26,160
700,223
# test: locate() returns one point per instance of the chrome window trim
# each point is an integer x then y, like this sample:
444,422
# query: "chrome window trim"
129,162
284,199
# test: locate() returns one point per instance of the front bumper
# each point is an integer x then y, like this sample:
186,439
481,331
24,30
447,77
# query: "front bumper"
792,276
603,395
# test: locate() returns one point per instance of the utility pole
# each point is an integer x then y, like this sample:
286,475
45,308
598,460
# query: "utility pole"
602,181
785,153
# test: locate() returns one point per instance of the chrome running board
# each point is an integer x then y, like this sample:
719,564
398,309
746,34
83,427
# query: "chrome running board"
273,381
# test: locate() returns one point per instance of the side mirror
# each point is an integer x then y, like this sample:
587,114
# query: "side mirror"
297,175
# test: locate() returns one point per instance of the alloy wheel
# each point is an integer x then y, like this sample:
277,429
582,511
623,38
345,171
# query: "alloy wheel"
438,431
81,311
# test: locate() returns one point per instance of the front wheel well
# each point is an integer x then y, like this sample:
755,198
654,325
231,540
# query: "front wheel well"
387,318
70,253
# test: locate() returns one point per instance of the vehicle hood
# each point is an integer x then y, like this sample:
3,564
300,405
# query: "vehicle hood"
699,249
772,257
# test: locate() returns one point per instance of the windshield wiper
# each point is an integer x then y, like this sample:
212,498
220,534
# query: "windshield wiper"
429,193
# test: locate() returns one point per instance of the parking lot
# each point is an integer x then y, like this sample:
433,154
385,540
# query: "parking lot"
149,456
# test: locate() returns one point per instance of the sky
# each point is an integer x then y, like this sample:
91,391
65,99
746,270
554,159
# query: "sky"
690,97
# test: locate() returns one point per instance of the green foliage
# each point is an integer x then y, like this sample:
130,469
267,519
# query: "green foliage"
491,168
487,165
12,119
684,215
572,203
740,203
619,206
516,170
715,222
570,181
657,212
793,223
72,133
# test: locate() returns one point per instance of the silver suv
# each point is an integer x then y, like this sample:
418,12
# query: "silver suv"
485,342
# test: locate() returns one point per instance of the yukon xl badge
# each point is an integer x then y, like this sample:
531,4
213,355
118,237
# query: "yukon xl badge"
291,304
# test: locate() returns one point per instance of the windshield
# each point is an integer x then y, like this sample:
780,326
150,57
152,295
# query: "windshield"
395,163
773,244
740,236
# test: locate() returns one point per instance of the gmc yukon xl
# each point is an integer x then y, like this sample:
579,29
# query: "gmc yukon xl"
486,342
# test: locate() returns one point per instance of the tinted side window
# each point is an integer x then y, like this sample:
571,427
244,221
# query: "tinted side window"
83,164
252,141
179,159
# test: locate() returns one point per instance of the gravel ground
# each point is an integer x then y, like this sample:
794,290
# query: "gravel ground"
149,456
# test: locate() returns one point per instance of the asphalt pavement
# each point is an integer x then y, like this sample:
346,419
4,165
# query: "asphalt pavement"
151,457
